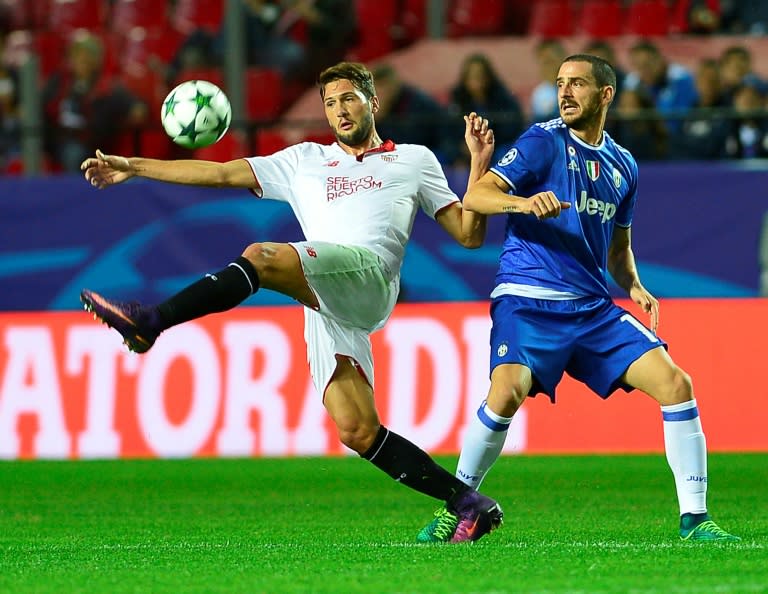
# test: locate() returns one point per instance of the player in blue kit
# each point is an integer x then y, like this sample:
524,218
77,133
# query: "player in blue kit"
569,192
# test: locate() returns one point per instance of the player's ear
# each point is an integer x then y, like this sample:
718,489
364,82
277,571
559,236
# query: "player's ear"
608,94
374,104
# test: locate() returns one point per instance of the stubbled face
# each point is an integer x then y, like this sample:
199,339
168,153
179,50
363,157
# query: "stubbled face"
349,113
579,97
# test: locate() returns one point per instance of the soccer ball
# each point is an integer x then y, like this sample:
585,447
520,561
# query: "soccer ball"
196,113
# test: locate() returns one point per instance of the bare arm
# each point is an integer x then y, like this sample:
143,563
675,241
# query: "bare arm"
489,196
621,265
106,170
467,227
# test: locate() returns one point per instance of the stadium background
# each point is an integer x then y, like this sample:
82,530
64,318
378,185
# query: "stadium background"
235,384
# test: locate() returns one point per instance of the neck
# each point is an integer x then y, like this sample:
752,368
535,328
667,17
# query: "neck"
370,143
591,133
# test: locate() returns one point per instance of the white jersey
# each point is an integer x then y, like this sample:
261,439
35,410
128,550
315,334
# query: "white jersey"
368,201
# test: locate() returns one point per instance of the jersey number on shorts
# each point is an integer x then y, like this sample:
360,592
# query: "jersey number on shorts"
647,333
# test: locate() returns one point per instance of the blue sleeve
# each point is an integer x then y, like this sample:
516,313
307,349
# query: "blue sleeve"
626,209
528,161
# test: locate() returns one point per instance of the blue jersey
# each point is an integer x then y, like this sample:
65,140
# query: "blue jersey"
566,255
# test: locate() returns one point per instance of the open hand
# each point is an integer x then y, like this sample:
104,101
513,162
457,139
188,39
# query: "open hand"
478,136
106,170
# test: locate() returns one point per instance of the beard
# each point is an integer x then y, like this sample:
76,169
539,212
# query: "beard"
359,134
589,114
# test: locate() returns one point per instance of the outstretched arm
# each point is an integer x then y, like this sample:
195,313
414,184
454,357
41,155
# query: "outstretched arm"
621,265
107,170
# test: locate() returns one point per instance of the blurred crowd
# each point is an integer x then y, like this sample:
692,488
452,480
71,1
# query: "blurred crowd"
104,79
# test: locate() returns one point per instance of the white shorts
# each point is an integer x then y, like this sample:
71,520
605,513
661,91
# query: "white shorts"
356,298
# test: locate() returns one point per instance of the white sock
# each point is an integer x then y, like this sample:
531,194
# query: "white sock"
483,441
686,450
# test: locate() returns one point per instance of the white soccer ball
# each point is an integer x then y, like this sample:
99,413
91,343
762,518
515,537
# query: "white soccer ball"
196,113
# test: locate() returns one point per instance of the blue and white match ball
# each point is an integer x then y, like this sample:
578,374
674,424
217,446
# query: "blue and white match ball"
196,114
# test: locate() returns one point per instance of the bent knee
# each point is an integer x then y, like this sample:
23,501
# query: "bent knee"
677,389
510,385
358,437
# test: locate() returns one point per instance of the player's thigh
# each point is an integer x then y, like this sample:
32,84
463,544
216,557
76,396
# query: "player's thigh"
279,269
609,341
349,283
531,333
656,374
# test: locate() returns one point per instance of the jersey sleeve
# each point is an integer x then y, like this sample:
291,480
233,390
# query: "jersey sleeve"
626,209
275,173
528,161
434,193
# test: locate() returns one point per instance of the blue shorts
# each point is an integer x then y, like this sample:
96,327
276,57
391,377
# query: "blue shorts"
592,339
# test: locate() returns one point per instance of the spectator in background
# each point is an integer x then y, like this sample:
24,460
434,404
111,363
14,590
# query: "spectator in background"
748,134
84,109
696,17
640,128
671,86
736,70
603,49
480,89
408,115
328,28
544,105
10,127
703,134
745,16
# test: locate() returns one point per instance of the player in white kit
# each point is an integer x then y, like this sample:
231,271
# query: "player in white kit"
355,200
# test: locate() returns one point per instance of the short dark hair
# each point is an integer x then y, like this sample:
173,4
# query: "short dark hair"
356,73
604,74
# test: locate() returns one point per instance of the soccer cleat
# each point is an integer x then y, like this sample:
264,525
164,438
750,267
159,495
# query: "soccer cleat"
706,530
477,514
440,529
137,324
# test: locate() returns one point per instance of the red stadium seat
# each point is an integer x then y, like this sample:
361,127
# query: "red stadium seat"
212,75
552,18
231,146
189,15
647,18
50,48
375,23
264,93
148,85
270,140
149,48
66,15
468,17
149,14
412,24
600,18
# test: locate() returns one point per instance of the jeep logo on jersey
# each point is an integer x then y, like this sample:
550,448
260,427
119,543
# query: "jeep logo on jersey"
593,170
593,206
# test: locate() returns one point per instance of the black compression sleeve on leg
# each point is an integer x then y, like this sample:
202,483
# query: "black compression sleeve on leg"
408,464
212,293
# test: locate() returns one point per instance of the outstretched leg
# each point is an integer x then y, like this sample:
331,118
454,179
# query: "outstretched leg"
269,265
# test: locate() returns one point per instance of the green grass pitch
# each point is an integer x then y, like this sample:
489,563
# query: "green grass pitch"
586,524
